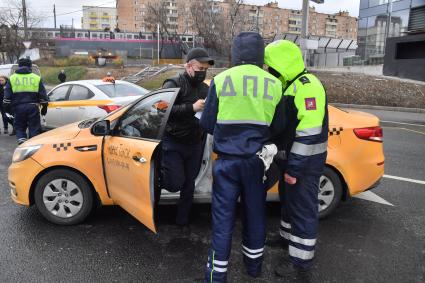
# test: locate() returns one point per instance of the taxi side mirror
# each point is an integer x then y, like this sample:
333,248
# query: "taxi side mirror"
101,128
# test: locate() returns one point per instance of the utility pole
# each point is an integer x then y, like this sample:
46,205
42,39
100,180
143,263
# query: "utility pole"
387,28
258,15
72,23
54,14
304,25
24,15
157,30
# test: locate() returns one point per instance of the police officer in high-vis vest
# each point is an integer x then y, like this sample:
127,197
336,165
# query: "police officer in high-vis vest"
305,141
242,110
24,94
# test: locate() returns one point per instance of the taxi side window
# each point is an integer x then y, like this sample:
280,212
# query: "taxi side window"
59,94
80,93
146,118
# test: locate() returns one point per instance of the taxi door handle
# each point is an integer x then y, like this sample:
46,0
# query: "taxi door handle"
81,107
139,159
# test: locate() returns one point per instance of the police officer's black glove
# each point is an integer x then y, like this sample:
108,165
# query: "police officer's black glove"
7,108
43,110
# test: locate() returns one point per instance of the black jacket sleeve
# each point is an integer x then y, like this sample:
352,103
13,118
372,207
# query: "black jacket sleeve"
278,124
178,110
42,93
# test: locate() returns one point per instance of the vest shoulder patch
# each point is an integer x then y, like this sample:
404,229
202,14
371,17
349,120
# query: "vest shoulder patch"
310,103
304,80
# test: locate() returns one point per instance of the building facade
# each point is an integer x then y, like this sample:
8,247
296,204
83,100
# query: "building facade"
96,18
270,20
382,19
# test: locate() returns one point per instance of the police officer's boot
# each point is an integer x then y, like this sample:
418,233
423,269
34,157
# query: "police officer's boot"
277,242
289,271
5,131
13,132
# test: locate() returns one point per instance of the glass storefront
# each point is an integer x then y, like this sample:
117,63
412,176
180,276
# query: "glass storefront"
379,19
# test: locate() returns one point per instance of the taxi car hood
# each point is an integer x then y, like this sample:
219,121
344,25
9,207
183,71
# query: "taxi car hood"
60,134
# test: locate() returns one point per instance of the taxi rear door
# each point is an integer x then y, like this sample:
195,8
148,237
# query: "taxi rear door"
128,154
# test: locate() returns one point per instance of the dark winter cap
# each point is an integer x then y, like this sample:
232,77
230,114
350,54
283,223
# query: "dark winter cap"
25,62
248,48
199,54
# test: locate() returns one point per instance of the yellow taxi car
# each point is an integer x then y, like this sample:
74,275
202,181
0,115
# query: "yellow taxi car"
114,160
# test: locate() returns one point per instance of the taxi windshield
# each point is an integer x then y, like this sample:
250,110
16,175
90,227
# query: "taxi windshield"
122,90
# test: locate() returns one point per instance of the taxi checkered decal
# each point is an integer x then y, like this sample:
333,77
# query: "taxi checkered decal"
335,131
61,146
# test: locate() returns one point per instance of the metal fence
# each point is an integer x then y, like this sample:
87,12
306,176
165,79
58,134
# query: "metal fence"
331,52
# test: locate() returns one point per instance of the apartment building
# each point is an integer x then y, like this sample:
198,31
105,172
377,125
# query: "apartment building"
96,18
132,14
269,19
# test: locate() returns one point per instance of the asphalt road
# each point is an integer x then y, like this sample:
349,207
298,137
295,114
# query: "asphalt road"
362,241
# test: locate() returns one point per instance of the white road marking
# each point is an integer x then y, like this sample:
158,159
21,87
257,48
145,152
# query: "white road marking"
409,130
405,179
401,123
368,195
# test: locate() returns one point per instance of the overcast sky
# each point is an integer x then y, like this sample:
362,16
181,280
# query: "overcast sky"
45,8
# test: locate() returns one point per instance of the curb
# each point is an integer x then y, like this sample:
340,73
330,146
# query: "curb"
374,107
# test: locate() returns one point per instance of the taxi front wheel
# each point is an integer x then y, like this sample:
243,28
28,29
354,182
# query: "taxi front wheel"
63,197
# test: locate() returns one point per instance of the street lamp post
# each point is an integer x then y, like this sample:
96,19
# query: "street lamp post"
304,25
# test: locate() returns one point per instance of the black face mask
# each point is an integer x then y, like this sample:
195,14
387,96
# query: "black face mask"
199,77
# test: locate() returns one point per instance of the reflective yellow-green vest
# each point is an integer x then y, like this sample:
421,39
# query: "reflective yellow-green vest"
247,95
310,100
25,83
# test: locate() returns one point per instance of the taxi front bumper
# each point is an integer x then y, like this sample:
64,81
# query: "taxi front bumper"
21,175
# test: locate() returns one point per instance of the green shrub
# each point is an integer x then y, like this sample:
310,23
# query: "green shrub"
117,62
73,60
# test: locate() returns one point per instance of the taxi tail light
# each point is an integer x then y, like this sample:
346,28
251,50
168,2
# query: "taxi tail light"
370,133
109,108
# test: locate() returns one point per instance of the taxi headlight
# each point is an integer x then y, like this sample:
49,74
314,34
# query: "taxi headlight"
22,153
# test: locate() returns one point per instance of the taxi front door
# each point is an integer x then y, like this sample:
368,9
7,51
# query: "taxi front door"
128,154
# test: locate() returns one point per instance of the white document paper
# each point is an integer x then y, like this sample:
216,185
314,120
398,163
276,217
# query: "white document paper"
198,115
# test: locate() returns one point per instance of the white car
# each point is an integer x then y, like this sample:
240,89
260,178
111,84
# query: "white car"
9,69
80,100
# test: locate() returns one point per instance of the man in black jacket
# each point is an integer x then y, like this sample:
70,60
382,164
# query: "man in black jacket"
182,141
62,76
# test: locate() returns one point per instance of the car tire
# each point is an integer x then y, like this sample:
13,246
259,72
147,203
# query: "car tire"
330,192
63,197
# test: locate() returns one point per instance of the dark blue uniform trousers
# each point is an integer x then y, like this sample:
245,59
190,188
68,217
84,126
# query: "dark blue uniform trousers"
180,164
26,116
3,116
234,178
299,218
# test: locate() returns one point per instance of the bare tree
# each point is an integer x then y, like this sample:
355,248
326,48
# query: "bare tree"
11,32
158,14
209,24
218,23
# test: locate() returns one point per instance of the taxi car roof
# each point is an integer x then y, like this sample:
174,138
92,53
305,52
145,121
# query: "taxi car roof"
95,82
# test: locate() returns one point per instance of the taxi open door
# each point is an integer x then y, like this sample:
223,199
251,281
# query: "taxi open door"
129,154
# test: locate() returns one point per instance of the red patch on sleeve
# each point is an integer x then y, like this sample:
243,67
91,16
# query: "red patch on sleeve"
310,103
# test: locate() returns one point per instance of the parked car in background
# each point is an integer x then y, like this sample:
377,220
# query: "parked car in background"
80,100
8,69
